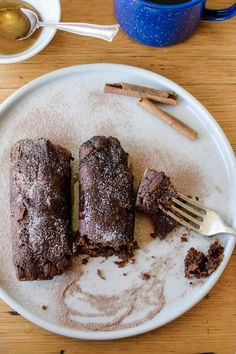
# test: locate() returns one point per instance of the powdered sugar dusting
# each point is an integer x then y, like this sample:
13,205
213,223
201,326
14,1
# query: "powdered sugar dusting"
107,205
40,173
69,111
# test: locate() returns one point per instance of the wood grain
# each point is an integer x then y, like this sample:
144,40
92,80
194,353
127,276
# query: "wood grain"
206,66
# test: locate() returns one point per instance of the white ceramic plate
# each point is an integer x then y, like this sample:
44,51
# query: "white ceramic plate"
68,106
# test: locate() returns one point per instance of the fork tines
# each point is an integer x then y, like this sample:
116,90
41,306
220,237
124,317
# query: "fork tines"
187,212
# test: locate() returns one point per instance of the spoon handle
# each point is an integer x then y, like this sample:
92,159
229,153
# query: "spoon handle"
106,33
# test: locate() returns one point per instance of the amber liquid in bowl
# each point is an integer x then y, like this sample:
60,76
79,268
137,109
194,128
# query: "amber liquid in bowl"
8,46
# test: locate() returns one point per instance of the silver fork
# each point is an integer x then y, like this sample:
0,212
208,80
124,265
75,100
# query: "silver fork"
197,217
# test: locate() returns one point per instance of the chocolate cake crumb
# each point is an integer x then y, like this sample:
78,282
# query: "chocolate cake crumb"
85,261
100,274
124,274
120,264
184,238
199,265
145,276
44,307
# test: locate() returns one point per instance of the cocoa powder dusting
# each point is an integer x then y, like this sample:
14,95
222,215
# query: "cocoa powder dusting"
125,309
185,176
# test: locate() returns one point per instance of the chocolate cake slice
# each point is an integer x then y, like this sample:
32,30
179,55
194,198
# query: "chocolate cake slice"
40,178
106,200
163,224
154,190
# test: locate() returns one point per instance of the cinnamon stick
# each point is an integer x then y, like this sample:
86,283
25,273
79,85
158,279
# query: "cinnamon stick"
124,88
172,121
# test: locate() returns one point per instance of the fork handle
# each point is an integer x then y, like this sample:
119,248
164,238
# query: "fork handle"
227,230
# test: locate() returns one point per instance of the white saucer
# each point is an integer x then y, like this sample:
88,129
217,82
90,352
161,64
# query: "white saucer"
50,12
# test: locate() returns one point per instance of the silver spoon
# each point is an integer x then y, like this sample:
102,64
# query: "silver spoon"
106,33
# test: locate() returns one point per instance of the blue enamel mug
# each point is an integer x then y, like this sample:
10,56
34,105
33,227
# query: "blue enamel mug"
160,25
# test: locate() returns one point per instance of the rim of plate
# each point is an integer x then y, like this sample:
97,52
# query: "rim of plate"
227,155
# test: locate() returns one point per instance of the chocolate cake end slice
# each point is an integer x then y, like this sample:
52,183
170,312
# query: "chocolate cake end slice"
156,190
40,186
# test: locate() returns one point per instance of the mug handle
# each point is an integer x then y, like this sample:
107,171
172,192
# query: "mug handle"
219,15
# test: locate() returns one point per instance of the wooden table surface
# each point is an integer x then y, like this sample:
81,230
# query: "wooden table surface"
205,65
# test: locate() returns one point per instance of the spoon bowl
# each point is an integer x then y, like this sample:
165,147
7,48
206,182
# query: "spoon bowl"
33,21
13,23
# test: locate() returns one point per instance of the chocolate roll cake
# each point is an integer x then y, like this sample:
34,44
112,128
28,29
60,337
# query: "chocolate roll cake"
106,200
40,177
154,190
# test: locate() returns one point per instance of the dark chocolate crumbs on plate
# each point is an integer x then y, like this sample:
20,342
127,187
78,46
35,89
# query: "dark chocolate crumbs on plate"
84,261
184,238
200,265
120,264
145,276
